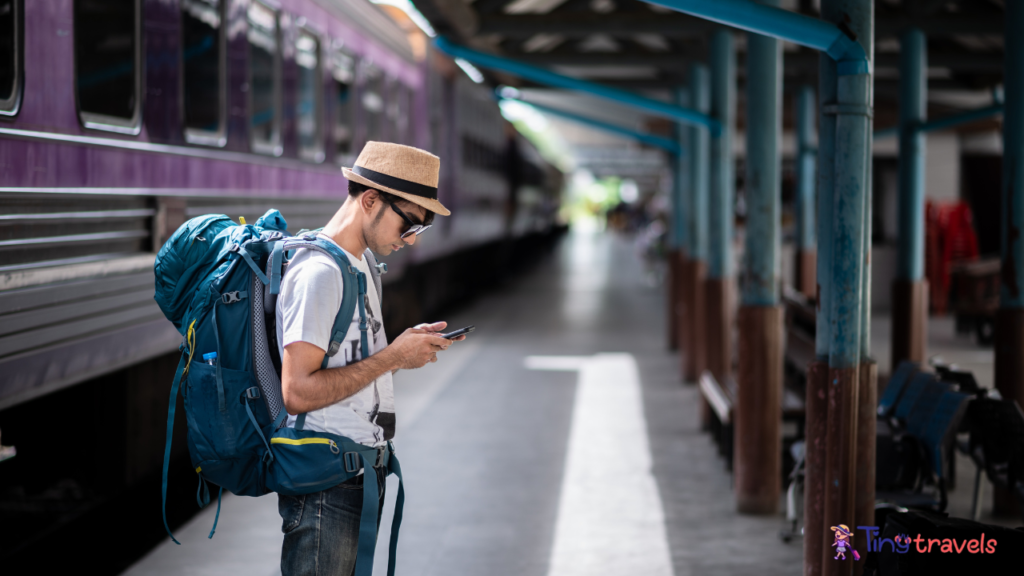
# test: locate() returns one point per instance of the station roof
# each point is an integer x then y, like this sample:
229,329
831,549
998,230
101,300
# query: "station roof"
635,45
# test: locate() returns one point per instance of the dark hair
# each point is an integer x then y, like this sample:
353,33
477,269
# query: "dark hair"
356,188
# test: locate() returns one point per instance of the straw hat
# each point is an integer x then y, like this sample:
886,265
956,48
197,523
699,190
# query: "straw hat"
404,171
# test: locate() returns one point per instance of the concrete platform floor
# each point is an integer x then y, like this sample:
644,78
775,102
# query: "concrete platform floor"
589,463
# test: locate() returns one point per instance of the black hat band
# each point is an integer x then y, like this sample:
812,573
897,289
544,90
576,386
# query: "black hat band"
399,184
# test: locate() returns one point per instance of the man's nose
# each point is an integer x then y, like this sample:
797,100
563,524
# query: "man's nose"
410,239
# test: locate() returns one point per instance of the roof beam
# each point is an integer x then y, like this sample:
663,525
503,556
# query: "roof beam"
806,62
578,24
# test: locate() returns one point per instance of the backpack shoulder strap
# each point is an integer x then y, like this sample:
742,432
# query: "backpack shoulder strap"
376,270
352,296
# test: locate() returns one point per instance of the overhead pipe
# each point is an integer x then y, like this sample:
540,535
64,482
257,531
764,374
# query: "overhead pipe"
549,78
781,24
666,144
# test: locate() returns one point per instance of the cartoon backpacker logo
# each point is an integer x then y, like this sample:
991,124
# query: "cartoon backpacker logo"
843,542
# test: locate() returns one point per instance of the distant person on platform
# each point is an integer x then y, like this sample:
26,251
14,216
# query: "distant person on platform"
392,199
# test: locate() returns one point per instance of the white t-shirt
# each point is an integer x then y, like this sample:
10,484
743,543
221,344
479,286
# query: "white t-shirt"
310,297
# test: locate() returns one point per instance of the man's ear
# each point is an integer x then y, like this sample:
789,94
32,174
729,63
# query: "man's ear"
368,200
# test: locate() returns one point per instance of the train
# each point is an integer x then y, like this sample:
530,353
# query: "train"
120,120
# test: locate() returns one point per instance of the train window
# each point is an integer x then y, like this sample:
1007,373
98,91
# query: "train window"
107,64
373,101
203,71
391,110
10,57
307,105
403,96
344,75
264,80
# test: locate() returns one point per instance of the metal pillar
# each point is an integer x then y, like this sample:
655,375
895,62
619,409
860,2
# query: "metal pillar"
805,205
1009,369
818,387
758,438
850,178
696,267
910,288
680,231
721,213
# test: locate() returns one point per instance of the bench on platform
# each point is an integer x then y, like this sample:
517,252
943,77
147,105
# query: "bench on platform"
722,400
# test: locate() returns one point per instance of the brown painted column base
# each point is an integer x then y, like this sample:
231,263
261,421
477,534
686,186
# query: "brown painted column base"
1009,375
840,459
718,331
807,273
695,354
672,298
909,321
867,394
758,413
815,537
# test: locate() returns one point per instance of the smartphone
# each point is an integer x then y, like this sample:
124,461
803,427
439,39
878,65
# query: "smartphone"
459,332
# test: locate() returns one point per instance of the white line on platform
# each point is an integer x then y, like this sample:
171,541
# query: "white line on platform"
610,517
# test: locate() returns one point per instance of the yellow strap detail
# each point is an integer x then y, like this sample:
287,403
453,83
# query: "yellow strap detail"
199,469
191,340
300,441
241,220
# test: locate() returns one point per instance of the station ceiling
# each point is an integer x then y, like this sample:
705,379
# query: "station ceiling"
631,44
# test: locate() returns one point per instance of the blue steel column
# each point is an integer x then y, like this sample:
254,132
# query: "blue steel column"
680,233
1009,368
758,460
681,179
806,185
816,424
852,110
910,290
700,137
695,349
721,212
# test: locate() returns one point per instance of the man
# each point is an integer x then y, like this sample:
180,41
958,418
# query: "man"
392,198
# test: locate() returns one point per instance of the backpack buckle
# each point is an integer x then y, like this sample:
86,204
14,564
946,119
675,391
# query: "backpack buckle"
231,297
381,452
333,348
351,462
252,393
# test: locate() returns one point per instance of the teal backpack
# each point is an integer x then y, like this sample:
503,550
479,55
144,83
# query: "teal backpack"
218,281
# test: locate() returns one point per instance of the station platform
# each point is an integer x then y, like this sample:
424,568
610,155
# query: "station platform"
556,440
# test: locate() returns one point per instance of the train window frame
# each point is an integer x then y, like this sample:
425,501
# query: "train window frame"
215,138
274,147
103,122
315,154
12,105
339,51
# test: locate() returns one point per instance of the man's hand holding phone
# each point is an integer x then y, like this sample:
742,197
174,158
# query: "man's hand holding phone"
439,327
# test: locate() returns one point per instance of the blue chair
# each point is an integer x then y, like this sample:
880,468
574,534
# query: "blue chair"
894,389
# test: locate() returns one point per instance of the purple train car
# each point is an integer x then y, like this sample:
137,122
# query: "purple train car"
120,119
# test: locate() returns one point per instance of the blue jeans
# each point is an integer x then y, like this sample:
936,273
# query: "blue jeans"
321,530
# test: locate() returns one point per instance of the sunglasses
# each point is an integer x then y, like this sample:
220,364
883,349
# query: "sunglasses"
414,228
